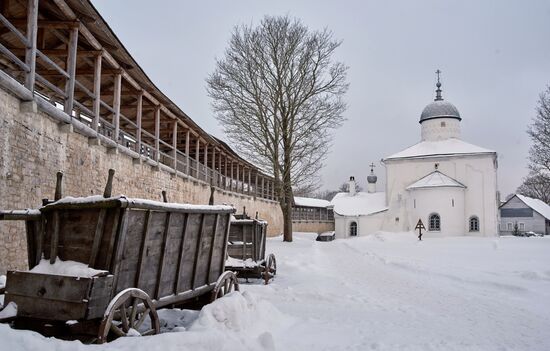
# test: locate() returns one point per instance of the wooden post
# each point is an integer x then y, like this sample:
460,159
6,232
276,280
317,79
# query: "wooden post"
71,71
231,180
213,165
157,134
116,106
256,185
262,194
238,177
272,190
249,181
187,135
138,120
30,52
97,91
175,144
197,171
220,177
206,162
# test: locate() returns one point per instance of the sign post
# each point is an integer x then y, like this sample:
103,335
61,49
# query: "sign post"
420,226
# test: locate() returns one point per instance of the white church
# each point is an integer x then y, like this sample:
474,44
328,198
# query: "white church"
447,183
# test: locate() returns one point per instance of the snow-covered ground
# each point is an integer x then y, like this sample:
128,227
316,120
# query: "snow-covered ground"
382,292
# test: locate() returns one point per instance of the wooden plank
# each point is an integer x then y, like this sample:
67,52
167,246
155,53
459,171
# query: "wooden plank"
162,254
187,135
197,252
115,264
97,91
71,70
97,236
225,243
40,228
211,254
30,55
51,310
142,250
157,136
181,254
47,286
175,144
139,113
100,296
116,106
31,241
55,237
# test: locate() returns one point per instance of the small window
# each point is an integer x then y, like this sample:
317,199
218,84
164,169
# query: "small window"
353,229
522,226
435,222
443,124
509,226
474,224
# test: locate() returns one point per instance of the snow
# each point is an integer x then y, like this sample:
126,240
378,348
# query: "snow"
542,208
140,203
447,147
434,180
360,204
2,281
380,292
9,311
310,202
236,262
67,268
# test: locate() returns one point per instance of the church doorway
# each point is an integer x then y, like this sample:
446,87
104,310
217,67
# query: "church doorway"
353,229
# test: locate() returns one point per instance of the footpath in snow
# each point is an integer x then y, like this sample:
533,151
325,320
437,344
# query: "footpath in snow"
381,292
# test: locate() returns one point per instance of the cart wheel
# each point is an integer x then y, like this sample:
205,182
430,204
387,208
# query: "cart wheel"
270,268
227,282
126,313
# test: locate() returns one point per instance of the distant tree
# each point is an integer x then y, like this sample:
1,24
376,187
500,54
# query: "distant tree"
344,188
278,94
537,183
536,186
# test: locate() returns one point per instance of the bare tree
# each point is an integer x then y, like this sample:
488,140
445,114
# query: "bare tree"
279,95
536,186
537,183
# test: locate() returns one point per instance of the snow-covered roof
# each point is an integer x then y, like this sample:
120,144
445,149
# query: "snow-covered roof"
447,147
310,202
434,180
542,208
360,204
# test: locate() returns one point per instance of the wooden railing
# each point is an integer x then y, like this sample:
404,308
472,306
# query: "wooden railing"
60,87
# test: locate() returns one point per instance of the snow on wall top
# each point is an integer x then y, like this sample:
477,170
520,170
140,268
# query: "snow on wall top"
447,147
361,204
310,202
139,202
434,180
542,208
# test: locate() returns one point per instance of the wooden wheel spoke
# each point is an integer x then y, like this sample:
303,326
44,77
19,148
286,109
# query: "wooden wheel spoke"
133,311
149,332
124,318
117,330
142,318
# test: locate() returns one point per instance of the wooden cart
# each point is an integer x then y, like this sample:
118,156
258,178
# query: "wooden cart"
154,254
246,249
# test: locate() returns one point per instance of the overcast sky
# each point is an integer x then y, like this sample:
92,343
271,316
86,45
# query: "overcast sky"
494,55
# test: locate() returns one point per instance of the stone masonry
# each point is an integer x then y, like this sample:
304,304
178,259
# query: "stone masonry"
33,147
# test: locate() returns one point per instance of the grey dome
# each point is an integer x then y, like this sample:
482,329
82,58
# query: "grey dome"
372,178
439,109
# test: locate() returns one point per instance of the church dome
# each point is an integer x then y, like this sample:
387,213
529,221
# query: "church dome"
439,109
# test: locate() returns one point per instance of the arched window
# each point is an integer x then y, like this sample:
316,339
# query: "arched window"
353,229
435,222
474,224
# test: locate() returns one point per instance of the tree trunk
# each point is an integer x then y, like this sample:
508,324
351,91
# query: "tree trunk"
288,199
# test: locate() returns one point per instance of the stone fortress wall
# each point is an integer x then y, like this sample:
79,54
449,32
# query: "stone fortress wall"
34,146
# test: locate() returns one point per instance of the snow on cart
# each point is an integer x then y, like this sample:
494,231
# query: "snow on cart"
246,249
101,266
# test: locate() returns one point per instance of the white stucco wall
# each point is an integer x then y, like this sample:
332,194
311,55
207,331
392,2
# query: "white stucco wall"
365,224
447,202
440,129
478,172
